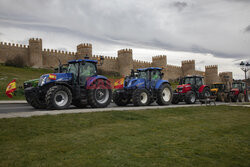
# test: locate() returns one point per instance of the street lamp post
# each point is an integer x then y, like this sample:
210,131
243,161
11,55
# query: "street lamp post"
245,67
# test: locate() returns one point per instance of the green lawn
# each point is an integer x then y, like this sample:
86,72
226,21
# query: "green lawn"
195,136
8,73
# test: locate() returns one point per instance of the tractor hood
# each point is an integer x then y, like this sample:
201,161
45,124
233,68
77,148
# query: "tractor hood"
235,90
135,83
183,88
214,90
54,77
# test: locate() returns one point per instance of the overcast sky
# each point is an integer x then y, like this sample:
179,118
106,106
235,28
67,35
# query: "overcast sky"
208,31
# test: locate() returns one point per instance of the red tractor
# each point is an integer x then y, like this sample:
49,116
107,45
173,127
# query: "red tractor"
190,89
238,91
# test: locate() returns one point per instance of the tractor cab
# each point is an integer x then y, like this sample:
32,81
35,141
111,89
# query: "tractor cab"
190,83
145,77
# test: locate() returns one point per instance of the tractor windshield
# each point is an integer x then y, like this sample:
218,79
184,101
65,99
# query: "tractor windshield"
73,68
236,85
188,80
219,86
143,74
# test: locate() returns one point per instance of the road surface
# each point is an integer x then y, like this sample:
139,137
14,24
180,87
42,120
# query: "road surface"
10,110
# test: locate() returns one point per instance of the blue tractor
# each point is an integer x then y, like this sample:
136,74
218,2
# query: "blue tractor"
144,87
78,84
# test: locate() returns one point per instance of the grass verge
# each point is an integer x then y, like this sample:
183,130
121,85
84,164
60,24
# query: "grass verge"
195,136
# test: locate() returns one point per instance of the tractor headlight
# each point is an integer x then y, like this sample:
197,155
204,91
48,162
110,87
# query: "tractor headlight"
43,80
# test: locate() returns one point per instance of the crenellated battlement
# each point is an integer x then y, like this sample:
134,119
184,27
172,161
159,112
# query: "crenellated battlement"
211,67
35,40
105,57
174,67
61,52
84,45
188,62
5,44
125,51
159,57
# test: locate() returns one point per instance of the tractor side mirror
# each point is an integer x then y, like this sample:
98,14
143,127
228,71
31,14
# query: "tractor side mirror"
162,74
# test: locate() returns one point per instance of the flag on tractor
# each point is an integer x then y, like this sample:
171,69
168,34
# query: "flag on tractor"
119,83
11,87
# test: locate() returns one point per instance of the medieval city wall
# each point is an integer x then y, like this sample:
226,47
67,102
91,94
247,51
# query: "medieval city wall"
10,51
35,56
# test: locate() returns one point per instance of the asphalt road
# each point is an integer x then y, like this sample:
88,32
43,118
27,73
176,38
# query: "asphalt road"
24,107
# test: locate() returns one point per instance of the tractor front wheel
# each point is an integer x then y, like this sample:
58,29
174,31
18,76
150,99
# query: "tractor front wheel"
58,97
241,97
164,95
141,97
119,99
190,97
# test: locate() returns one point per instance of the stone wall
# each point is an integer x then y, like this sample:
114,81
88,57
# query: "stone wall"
35,56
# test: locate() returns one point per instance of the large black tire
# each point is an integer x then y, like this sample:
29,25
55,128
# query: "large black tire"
119,99
226,98
206,92
175,100
58,97
219,96
37,104
241,97
100,96
190,97
164,95
234,98
140,97
222,97
80,103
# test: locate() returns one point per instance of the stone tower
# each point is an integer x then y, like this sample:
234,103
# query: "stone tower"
188,67
125,61
226,78
35,53
84,49
159,61
211,74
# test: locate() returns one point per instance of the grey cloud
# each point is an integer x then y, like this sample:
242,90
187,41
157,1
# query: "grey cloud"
247,29
180,5
200,28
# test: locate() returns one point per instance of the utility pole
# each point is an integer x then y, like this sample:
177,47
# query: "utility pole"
245,67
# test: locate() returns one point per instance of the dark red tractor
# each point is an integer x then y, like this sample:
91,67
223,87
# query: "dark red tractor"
238,91
190,89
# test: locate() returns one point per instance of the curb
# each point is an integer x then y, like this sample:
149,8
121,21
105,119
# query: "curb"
13,101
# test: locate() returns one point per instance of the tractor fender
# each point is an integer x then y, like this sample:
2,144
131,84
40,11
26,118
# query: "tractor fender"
202,88
160,82
92,79
57,83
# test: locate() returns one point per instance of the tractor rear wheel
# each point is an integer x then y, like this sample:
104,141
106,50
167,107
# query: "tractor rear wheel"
234,98
226,97
164,95
100,96
140,97
58,97
241,97
190,97
119,99
222,97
